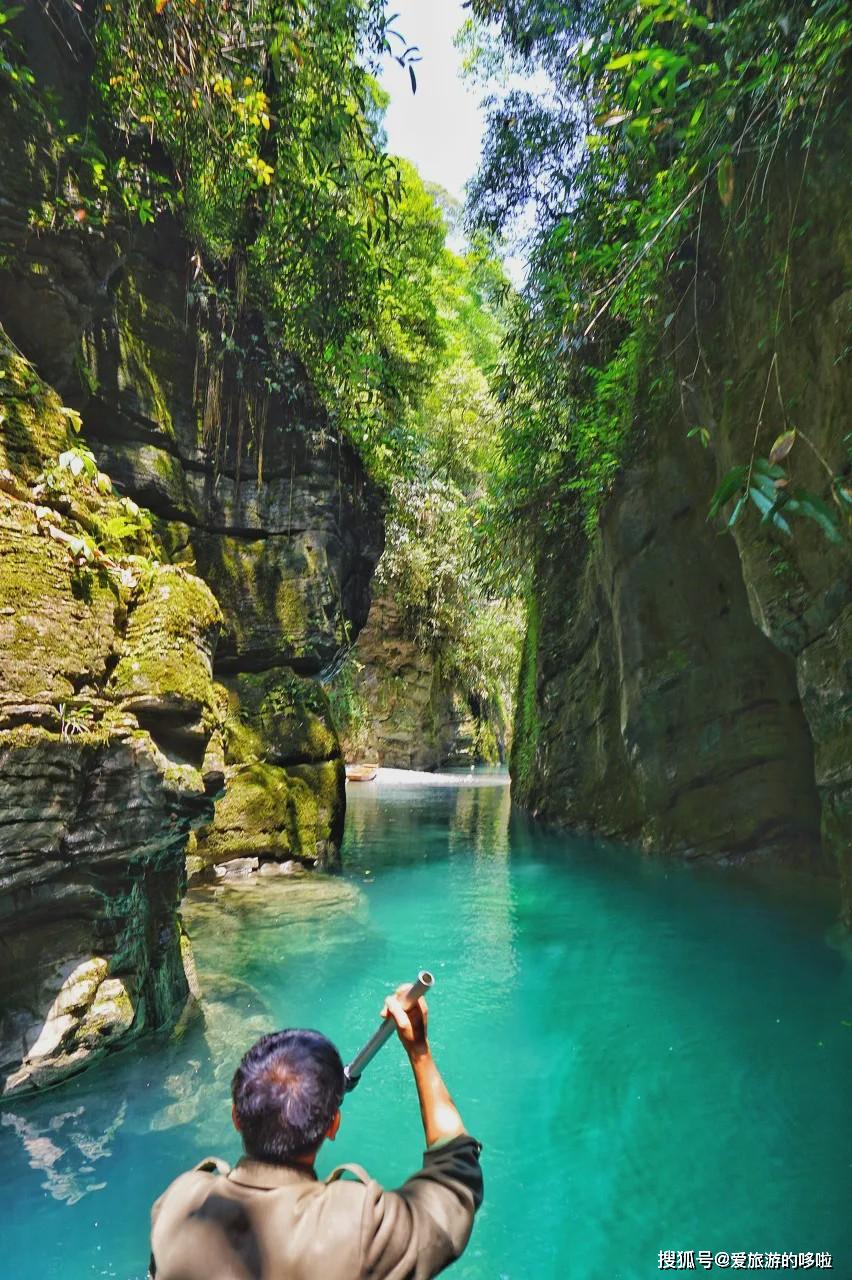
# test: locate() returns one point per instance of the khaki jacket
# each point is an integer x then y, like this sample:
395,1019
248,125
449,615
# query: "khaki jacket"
278,1222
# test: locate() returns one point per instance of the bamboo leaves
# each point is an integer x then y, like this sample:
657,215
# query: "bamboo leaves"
767,486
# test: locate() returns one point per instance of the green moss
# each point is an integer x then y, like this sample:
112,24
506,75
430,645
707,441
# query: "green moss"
169,640
291,610
486,750
271,812
280,717
137,357
33,429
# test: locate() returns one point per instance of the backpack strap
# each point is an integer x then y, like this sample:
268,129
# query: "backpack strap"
355,1169
213,1164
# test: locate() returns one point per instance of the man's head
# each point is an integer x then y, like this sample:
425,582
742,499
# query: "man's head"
287,1093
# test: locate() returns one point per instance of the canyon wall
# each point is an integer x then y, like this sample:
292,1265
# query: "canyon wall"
686,687
396,708
166,615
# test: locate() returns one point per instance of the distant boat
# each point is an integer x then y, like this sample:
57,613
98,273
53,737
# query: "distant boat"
361,772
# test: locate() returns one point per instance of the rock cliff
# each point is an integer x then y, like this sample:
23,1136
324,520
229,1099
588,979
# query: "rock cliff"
287,539
167,602
685,688
395,707
107,708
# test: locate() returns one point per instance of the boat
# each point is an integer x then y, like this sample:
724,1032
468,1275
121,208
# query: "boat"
361,772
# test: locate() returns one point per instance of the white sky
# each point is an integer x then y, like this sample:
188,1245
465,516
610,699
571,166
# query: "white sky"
440,127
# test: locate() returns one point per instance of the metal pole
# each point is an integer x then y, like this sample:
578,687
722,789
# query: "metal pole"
352,1072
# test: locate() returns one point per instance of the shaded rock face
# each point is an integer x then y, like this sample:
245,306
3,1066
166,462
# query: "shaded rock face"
284,528
287,540
688,690
408,716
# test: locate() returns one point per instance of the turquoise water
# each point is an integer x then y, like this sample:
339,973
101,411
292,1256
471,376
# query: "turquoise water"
654,1057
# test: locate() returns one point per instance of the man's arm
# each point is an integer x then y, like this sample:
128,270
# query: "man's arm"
441,1119
419,1229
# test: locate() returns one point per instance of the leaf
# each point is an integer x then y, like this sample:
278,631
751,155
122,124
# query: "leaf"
731,483
612,118
782,446
767,509
738,510
725,180
628,59
71,461
815,509
413,79
765,484
764,467
159,5
75,422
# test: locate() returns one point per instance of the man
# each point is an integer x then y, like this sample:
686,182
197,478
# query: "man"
269,1218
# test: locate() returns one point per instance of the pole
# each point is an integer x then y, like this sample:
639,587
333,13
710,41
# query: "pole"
352,1072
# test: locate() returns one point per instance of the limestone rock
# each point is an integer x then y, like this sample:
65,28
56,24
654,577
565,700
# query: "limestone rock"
277,717
107,702
409,715
113,736
689,690
275,813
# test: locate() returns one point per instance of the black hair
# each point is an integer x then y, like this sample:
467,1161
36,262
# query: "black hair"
286,1091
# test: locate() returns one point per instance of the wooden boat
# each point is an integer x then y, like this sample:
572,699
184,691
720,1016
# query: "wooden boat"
361,772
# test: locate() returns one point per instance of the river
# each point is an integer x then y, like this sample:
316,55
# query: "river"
655,1057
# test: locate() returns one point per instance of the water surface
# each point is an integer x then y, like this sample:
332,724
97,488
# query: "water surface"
654,1057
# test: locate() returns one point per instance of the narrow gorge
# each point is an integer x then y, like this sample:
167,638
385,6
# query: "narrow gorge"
425,530
285,481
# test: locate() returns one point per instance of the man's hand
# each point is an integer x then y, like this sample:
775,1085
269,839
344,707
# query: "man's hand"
441,1120
410,1023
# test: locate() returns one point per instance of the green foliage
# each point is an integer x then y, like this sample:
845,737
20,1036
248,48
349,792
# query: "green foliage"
76,719
12,67
651,114
349,710
769,487
435,565
113,535
270,117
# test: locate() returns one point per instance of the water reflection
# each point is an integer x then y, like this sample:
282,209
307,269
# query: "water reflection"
69,1167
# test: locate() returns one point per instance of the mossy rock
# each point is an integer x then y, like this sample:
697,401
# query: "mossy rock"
33,428
168,648
278,717
58,630
277,608
274,814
